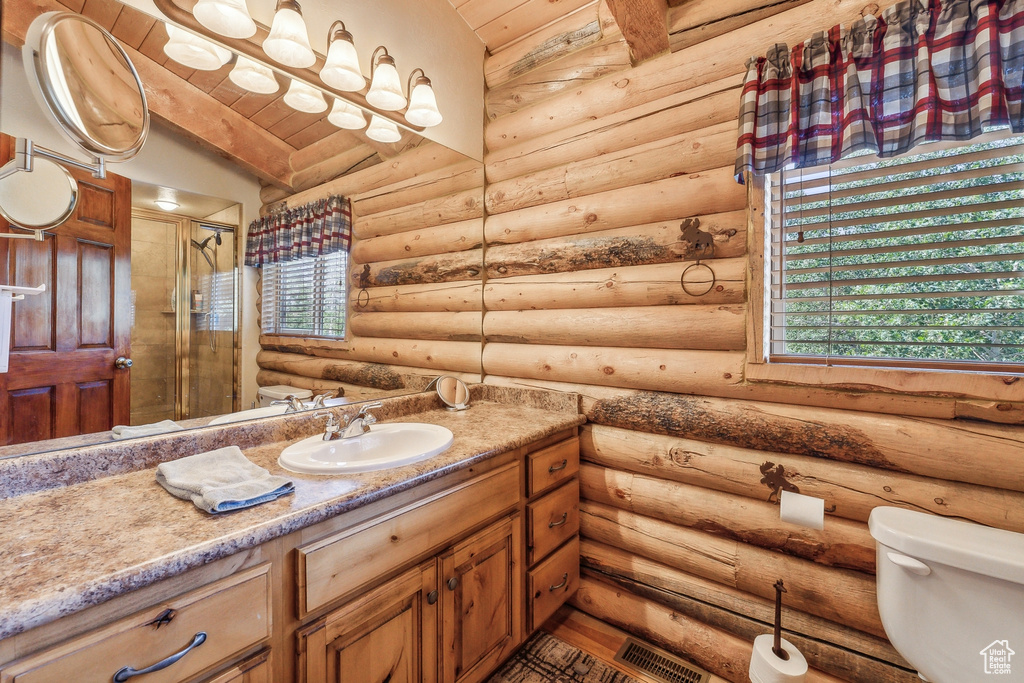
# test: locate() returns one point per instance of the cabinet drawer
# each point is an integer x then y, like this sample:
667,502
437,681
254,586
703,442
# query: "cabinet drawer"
343,563
255,669
552,465
552,520
234,613
553,581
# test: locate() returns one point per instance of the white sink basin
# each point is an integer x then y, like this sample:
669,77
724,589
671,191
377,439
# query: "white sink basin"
268,411
386,445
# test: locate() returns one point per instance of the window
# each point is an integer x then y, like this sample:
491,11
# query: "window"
306,296
915,261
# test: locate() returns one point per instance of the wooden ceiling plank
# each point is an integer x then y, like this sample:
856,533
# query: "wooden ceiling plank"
74,5
153,44
338,142
271,114
103,12
182,106
643,25
228,93
250,103
524,19
312,133
476,13
132,26
208,80
293,123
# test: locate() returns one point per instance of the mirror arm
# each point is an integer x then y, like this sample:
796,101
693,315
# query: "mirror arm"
26,150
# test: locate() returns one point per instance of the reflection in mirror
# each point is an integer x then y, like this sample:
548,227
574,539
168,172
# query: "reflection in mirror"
39,200
452,391
88,84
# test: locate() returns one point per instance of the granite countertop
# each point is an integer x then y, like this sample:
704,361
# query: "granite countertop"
107,527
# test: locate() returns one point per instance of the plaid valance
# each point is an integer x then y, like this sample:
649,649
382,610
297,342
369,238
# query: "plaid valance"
315,229
922,72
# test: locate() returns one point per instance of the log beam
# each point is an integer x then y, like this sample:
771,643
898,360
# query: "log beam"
643,25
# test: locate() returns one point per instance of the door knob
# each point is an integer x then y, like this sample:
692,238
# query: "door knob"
122,363
453,583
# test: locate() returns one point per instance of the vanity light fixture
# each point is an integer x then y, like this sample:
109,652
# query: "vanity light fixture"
194,52
348,116
385,85
166,204
288,42
253,76
341,70
383,130
305,98
227,17
422,109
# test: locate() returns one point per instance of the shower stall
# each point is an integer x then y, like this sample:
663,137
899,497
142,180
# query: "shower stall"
185,342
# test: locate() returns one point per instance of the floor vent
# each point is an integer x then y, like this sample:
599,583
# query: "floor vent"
659,664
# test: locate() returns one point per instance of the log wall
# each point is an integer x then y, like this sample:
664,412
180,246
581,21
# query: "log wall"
418,237
590,173
558,265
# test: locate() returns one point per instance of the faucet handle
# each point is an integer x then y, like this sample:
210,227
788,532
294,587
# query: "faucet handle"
332,427
369,406
318,400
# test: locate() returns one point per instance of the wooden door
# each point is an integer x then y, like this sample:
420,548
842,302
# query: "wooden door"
388,635
481,602
61,379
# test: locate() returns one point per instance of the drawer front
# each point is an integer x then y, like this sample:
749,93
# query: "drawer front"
552,465
342,563
255,669
553,519
553,582
234,613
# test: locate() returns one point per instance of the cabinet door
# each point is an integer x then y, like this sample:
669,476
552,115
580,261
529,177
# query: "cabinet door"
481,599
388,634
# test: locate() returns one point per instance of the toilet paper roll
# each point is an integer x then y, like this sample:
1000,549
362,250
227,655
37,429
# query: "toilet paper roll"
765,667
806,511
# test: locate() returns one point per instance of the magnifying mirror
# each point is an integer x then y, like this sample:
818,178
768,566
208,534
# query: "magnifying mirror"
452,391
39,200
88,84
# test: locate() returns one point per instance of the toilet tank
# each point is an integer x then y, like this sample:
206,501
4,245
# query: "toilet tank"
951,595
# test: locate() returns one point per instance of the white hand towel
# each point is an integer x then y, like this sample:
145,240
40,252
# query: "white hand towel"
221,480
126,432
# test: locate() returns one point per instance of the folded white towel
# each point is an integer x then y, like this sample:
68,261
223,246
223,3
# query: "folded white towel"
163,427
221,480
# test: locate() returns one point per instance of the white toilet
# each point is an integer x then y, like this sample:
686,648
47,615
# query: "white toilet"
951,595
280,392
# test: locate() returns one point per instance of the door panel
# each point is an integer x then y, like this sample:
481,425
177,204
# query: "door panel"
61,379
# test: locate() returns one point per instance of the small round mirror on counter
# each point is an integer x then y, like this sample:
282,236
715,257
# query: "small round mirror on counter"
39,200
453,392
88,84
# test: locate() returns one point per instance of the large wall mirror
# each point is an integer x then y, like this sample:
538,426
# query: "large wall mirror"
163,310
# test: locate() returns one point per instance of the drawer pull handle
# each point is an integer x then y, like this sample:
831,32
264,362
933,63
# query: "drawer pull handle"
431,597
565,580
565,518
453,583
555,468
128,672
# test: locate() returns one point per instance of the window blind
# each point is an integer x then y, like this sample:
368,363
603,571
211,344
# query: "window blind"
306,296
912,261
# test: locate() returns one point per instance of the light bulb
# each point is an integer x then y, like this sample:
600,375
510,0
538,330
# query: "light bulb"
166,204
193,51
305,98
345,115
383,130
341,70
423,105
288,42
253,77
386,87
227,17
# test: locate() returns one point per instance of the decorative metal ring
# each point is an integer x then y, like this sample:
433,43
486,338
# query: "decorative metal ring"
686,288
362,302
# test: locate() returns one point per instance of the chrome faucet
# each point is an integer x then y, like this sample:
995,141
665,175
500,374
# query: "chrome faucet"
360,424
292,401
332,430
318,400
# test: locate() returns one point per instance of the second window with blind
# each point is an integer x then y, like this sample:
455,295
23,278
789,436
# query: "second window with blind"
306,297
915,261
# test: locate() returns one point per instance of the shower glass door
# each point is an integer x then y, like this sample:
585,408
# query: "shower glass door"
209,379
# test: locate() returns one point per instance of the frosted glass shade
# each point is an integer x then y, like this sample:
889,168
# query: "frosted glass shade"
288,42
423,107
341,69
345,115
193,51
386,88
253,77
383,130
301,97
226,17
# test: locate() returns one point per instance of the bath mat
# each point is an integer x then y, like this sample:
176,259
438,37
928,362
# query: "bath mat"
546,659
